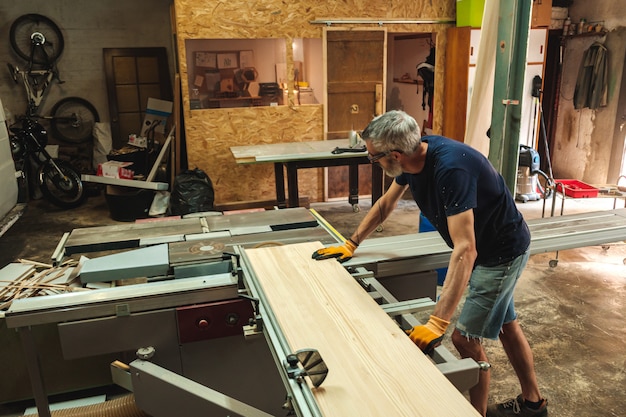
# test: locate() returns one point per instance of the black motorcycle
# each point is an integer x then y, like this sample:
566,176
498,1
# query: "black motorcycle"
58,180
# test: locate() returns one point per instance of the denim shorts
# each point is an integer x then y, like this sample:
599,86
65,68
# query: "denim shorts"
489,301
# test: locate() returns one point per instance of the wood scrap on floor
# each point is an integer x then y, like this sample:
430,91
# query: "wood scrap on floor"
25,278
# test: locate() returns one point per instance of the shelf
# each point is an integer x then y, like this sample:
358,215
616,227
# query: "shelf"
401,81
584,35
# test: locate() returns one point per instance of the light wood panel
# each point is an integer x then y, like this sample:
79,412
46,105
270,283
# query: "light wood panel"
457,83
374,368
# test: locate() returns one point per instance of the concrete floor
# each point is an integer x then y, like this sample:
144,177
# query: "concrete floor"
573,314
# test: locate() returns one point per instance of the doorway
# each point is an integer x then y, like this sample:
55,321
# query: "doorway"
370,72
410,76
355,77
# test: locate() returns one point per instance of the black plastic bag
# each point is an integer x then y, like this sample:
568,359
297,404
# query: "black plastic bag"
192,193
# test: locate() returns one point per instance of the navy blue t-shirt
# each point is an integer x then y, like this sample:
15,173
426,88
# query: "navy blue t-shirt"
456,178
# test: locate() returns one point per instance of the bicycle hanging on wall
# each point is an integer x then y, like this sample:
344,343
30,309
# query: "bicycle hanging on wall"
39,41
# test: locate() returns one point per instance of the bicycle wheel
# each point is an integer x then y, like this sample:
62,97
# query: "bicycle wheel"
65,191
36,35
73,119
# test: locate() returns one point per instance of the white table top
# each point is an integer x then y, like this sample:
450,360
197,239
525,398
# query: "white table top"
293,151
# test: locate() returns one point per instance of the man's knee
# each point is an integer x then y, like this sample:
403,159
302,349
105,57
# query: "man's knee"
464,344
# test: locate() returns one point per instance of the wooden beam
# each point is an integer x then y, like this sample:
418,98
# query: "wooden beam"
374,368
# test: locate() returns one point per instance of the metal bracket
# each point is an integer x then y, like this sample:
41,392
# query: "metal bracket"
311,365
255,326
236,268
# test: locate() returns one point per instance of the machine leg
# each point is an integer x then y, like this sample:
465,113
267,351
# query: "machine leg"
292,185
34,371
353,185
279,178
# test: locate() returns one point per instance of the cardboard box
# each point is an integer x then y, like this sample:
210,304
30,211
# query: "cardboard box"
157,111
116,169
541,13
138,141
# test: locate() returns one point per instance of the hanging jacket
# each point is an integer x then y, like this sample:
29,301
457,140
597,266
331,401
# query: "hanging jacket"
591,84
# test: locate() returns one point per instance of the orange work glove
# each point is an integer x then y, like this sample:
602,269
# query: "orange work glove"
342,253
429,335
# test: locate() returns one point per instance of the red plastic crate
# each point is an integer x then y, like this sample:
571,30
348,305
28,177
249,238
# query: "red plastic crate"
576,189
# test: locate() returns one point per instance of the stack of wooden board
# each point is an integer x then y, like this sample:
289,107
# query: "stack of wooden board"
374,368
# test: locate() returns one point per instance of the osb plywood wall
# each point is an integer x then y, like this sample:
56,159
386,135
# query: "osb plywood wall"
210,133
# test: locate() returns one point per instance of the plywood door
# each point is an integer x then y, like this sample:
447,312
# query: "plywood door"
374,368
457,81
133,75
355,73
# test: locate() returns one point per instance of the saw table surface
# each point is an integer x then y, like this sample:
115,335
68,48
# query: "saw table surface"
425,251
247,225
374,368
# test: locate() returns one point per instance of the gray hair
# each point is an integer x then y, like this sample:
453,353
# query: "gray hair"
394,130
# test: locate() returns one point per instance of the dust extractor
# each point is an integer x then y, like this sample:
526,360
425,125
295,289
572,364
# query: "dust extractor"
528,186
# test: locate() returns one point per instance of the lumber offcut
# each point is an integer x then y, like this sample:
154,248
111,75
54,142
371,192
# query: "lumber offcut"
374,368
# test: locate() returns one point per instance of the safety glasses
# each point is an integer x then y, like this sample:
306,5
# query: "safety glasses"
375,158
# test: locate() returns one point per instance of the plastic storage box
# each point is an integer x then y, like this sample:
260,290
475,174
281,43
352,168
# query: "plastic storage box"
576,189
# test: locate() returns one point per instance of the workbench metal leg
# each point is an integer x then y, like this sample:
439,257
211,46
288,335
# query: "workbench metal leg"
279,178
353,185
34,371
292,184
377,182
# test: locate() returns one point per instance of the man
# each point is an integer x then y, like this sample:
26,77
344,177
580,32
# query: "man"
467,201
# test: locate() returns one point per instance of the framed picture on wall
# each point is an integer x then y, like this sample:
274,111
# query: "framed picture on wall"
206,59
246,59
228,60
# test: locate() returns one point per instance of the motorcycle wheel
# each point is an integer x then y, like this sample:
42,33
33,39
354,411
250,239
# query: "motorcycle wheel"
65,191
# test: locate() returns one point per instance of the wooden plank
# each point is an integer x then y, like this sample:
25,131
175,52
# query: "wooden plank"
164,148
374,368
456,76
175,166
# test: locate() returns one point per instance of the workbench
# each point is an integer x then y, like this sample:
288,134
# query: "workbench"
316,154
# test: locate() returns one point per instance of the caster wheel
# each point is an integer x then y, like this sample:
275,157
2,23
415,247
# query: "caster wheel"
356,208
380,228
605,247
553,263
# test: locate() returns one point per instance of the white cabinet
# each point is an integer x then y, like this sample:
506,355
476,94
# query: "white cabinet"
473,46
8,180
536,53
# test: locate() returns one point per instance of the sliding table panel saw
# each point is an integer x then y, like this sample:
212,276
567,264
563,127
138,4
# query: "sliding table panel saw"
209,275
